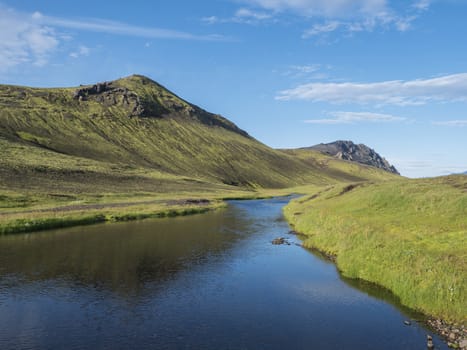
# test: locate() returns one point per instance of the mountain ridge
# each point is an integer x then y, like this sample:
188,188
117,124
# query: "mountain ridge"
135,123
360,153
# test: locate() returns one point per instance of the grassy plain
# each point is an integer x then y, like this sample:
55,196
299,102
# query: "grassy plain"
409,236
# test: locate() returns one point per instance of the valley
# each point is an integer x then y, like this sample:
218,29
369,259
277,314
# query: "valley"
130,150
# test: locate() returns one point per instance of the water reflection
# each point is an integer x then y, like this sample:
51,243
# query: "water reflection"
212,281
122,257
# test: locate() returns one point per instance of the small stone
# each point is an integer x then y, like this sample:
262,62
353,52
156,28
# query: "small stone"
463,344
278,241
452,336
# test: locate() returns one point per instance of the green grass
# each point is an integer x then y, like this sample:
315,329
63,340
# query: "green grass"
409,236
31,222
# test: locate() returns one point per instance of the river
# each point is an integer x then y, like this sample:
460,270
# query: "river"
211,281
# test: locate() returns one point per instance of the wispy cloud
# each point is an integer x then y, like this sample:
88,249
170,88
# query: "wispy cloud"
455,123
340,117
318,29
24,41
32,38
422,5
241,16
447,88
247,13
82,51
346,16
120,28
306,69
326,8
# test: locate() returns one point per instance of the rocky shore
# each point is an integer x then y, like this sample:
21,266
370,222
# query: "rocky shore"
454,334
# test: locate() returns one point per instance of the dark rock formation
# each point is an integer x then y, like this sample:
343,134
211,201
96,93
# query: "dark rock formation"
347,150
109,95
98,88
142,97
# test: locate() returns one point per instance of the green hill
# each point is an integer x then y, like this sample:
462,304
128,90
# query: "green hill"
132,140
135,123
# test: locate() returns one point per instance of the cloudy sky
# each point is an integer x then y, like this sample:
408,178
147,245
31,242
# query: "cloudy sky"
293,73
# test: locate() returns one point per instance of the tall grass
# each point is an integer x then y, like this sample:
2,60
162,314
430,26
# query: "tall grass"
409,236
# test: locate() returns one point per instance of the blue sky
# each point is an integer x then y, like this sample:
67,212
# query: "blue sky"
292,73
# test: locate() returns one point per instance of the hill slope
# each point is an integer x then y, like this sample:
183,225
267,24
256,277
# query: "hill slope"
136,122
129,124
347,150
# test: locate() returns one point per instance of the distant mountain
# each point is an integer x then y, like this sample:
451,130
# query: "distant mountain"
347,150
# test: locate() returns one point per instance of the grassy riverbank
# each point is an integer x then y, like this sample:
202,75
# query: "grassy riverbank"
58,217
407,235
35,211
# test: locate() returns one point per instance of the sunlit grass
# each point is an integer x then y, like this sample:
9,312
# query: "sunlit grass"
408,235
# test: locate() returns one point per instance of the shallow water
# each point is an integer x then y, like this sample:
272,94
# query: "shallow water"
211,281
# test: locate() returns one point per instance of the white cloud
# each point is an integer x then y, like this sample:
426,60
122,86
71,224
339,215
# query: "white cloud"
305,69
211,19
32,38
340,117
242,16
321,28
422,5
455,123
24,41
447,88
404,23
347,16
82,51
246,13
325,8
120,28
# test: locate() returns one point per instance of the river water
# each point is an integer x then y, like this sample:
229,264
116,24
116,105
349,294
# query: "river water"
211,281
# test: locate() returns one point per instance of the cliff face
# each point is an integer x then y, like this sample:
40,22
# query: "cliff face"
347,150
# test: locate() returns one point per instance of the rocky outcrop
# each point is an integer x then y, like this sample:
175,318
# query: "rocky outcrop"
347,150
96,89
142,97
110,95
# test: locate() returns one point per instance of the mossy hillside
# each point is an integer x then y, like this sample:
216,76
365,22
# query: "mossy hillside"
31,172
179,139
134,141
407,235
